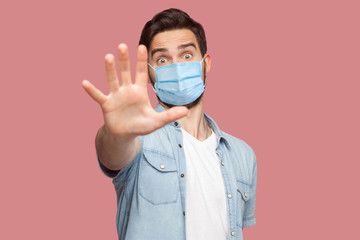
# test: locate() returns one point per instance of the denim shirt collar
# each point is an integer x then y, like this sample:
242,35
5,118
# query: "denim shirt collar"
220,135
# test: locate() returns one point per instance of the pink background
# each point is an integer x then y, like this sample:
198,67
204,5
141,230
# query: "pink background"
285,78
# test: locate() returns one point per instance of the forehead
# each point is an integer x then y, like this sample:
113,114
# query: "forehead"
173,38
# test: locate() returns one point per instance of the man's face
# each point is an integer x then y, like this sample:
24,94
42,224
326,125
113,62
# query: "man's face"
176,46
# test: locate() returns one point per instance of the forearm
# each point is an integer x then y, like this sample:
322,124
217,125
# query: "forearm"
115,152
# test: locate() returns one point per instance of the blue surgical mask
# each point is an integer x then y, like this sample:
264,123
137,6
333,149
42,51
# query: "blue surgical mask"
179,83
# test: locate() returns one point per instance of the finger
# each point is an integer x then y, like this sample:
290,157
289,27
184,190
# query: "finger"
142,66
93,92
171,114
124,64
111,73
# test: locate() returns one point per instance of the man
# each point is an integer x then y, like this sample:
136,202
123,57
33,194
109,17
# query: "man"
176,174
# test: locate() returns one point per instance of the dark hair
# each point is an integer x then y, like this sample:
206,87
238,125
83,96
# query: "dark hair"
171,19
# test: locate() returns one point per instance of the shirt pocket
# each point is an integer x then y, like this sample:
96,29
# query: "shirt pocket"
158,180
243,196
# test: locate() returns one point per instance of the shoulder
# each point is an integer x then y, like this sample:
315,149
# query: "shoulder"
242,156
239,146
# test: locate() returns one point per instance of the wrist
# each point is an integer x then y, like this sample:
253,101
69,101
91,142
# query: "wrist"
105,131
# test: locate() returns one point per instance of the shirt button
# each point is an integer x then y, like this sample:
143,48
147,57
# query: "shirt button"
232,233
176,124
222,163
180,146
162,166
182,175
245,194
229,195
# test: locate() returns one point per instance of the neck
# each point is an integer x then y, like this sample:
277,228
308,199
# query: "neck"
195,122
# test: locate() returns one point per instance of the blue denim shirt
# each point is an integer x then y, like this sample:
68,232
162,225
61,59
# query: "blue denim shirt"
151,189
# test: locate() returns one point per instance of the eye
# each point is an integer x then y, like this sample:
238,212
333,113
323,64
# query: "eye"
162,61
187,56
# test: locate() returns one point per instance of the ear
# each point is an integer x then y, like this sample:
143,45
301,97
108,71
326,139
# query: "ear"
207,62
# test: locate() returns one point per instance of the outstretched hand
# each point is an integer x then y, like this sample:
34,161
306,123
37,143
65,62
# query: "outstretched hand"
127,109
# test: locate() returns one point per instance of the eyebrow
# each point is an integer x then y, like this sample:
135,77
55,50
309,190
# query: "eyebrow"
182,46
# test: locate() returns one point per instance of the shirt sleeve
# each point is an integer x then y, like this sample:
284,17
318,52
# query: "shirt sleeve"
249,213
108,172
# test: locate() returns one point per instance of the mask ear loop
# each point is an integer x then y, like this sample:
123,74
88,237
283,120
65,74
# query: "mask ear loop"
151,66
149,76
204,76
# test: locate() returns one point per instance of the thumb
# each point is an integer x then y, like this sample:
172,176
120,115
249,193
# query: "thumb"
172,114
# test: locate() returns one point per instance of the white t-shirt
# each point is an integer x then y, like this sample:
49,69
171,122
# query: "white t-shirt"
205,206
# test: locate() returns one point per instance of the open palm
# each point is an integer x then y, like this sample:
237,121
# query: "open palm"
127,109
